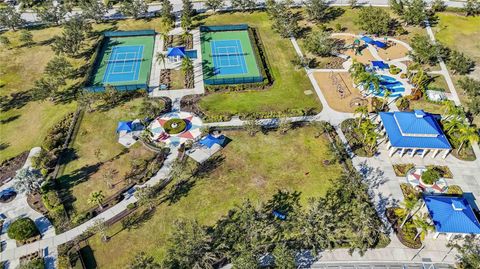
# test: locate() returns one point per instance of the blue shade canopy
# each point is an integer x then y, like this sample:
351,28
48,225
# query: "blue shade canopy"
210,140
380,64
176,51
416,129
380,44
367,40
452,214
124,126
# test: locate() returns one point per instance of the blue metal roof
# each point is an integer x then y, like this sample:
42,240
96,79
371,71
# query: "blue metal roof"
367,39
176,51
415,129
210,140
452,214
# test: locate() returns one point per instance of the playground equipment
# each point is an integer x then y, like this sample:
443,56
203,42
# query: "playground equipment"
358,101
339,84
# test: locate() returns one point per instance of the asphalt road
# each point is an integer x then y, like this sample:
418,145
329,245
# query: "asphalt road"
31,17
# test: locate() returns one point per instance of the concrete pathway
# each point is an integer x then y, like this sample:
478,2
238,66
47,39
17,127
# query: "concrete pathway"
19,207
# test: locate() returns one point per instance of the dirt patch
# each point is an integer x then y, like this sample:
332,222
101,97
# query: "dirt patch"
329,90
10,166
394,51
365,58
259,181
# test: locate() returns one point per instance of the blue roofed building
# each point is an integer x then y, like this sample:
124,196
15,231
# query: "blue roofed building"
452,215
175,54
414,132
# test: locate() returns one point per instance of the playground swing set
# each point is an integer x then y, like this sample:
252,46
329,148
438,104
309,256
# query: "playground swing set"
340,85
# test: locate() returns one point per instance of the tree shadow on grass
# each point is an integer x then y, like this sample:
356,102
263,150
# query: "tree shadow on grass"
15,100
4,146
9,119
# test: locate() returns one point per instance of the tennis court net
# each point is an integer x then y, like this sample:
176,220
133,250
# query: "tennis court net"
228,54
125,60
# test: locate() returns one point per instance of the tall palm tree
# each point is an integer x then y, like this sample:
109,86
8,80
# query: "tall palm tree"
371,139
361,111
386,94
161,58
467,134
367,79
366,128
451,126
356,69
422,225
421,79
97,198
187,69
410,204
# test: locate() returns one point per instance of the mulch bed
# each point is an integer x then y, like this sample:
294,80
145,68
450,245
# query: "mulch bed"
35,202
10,166
402,237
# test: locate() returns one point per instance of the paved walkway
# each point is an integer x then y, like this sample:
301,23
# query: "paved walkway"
19,207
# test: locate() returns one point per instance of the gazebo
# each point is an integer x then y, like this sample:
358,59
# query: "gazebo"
452,215
175,54
413,132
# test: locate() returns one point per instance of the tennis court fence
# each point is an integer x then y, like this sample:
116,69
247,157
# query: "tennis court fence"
218,28
129,33
240,80
118,88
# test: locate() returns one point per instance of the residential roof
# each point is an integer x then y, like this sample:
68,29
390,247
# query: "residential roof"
176,51
415,129
452,214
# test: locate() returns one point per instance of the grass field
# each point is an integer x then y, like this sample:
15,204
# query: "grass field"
288,89
83,174
459,32
254,167
24,127
25,123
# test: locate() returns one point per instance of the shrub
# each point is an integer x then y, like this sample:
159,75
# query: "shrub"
394,70
402,169
37,263
430,176
454,190
22,229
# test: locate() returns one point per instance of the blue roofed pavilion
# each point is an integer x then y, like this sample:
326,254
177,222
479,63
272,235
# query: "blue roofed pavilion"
452,215
414,132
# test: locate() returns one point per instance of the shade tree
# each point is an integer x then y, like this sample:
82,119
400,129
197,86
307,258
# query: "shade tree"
215,4
51,13
285,22
321,44
93,9
374,20
134,8
316,10
10,18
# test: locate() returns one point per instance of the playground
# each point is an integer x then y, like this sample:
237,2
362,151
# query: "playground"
337,87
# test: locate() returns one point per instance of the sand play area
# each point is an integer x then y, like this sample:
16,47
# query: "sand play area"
334,98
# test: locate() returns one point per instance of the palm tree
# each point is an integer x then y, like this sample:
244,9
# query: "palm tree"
409,204
421,79
467,134
97,198
371,139
187,69
451,126
422,225
366,128
386,95
161,58
361,111
356,69
367,79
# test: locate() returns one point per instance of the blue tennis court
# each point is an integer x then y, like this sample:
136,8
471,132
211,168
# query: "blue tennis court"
123,64
228,57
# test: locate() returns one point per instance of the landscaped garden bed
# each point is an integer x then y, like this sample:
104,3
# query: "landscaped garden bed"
402,169
407,233
10,166
356,139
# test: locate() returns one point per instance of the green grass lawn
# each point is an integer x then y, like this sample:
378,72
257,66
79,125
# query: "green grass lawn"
97,131
427,106
288,89
459,32
24,125
254,167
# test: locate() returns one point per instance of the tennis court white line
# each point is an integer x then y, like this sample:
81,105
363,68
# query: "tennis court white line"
133,69
228,56
244,64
